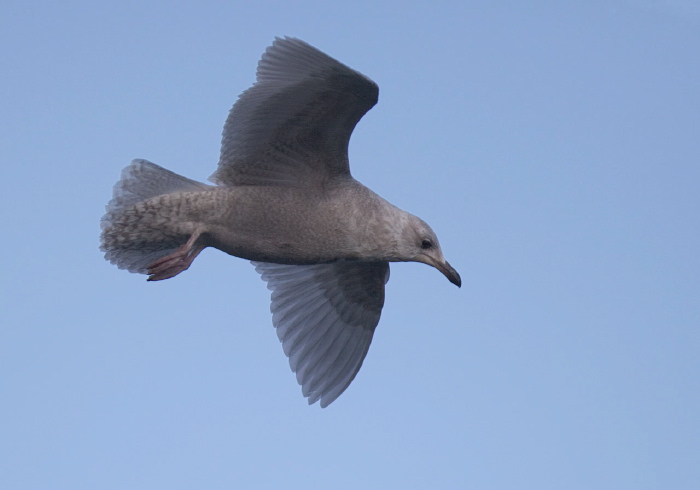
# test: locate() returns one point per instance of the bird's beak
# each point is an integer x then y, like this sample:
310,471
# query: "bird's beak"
449,272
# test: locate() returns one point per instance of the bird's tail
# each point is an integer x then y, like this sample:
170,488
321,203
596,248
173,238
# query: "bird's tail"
132,236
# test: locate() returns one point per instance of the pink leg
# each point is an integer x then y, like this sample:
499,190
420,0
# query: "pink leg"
178,261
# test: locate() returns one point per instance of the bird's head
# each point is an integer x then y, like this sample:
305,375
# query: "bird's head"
420,244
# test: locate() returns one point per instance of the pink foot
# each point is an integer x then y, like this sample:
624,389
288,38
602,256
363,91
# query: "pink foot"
178,261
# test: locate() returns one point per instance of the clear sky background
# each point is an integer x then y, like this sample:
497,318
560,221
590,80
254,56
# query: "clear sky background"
553,146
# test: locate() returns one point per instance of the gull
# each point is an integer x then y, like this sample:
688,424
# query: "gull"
285,200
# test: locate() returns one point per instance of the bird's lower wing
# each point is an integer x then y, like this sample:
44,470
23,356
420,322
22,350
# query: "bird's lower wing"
325,316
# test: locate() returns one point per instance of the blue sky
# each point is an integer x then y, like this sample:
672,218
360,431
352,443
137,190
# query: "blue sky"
554,148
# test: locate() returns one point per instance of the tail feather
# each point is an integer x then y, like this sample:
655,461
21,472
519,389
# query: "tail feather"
127,241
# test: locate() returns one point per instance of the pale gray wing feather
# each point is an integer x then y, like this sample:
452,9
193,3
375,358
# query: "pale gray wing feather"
293,126
325,316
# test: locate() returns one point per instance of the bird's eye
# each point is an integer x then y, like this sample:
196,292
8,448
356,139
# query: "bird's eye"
426,244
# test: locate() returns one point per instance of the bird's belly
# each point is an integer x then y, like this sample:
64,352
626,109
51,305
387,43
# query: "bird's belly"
277,227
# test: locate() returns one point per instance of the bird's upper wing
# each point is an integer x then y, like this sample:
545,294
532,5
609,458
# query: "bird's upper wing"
325,316
292,127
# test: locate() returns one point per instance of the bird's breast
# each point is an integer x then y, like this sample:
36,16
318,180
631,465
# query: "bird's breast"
284,225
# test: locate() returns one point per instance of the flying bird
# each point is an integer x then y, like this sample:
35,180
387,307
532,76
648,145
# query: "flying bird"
284,199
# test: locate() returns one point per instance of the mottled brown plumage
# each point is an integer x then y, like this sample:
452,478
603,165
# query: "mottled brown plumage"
284,199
